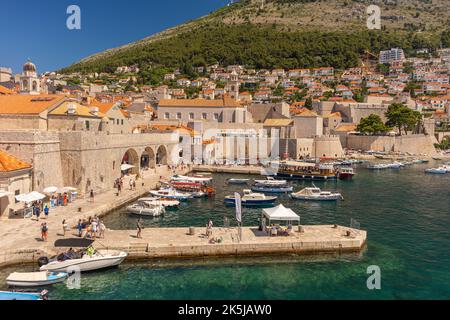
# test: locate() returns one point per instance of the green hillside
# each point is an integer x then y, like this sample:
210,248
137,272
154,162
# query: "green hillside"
279,35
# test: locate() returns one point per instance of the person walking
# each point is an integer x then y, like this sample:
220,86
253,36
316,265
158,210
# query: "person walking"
139,228
44,231
92,195
80,228
101,229
46,211
37,212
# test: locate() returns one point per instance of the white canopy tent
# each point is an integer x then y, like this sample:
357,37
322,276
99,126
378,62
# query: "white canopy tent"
50,190
281,213
30,197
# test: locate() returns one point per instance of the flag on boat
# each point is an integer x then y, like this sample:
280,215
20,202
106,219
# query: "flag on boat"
238,202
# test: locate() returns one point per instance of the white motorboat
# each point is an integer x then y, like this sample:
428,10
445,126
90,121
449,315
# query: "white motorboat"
171,193
88,260
237,181
314,193
252,199
440,170
144,208
35,279
167,203
446,167
271,182
180,178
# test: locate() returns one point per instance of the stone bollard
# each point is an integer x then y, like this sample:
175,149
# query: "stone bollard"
79,209
192,231
301,229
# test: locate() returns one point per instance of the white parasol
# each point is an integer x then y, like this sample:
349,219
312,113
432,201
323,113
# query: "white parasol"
30,197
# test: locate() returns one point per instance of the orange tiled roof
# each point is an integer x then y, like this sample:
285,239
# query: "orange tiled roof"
307,114
4,90
11,163
28,104
102,106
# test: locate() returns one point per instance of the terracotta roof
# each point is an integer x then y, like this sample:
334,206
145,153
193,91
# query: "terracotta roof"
4,90
10,163
28,104
226,102
102,107
346,127
334,114
81,111
278,122
308,114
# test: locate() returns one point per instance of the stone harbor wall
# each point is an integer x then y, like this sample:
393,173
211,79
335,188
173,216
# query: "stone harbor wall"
413,144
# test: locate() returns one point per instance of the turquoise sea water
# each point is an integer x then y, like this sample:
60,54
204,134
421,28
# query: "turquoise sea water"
406,214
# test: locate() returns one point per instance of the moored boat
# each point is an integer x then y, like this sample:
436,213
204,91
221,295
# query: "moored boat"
346,173
271,182
439,170
252,199
180,178
167,203
314,193
35,279
22,296
237,181
272,189
87,260
294,170
144,208
171,193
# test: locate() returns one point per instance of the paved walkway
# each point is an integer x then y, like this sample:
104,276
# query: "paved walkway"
24,234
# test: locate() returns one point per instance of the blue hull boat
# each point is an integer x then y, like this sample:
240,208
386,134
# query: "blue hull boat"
251,203
7,295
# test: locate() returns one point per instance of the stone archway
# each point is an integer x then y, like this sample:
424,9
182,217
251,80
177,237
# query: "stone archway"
131,157
148,159
162,156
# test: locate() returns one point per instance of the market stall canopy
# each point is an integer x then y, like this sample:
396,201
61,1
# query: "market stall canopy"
67,189
50,190
281,213
126,167
30,197
4,193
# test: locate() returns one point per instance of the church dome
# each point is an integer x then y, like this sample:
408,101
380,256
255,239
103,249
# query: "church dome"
29,66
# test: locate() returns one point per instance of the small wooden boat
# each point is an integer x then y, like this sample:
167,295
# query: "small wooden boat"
237,181
35,279
22,296
316,194
252,199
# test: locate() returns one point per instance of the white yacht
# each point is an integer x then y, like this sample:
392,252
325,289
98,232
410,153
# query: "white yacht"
271,182
314,193
252,199
144,208
171,193
88,260
167,203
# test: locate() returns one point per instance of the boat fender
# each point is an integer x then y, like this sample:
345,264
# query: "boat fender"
42,261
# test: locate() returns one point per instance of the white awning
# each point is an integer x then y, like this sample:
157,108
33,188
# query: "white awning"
50,190
281,213
30,197
66,189
4,193
126,167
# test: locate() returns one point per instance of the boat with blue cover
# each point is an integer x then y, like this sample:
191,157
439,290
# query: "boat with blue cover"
22,296
272,189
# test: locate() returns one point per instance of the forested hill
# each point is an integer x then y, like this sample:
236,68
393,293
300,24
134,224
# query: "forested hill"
284,33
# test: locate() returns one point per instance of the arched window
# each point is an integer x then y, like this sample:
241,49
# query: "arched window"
25,84
34,86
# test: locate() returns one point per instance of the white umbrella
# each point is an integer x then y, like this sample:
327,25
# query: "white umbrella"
50,190
30,197
4,193
126,167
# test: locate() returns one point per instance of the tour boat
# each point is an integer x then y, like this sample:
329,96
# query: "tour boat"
144,208
25,296
167,203
314,193
271,182
252,199
237,181
178,178
196,189
439,170
171,194
379,166
346,173
272,189
83,261
294,170
35,279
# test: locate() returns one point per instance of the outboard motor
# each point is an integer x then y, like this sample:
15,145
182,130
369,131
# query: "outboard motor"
42,261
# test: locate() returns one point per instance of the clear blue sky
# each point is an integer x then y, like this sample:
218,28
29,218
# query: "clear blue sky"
37,29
